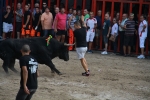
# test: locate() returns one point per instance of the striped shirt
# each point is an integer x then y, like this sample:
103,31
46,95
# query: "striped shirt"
130,27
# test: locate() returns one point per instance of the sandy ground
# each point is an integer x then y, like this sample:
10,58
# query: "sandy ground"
112,78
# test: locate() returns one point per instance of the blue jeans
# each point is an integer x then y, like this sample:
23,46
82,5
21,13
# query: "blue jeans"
48,32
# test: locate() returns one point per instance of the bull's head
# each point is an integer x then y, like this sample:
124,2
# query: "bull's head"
64,53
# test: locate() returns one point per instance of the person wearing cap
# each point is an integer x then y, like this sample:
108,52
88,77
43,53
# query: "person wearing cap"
143,28
29,74
129,34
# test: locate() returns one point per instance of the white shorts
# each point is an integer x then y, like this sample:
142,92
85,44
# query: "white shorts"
142,42
90,36
7,27
81,52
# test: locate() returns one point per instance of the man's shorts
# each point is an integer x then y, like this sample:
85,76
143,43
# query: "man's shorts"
61,32
7,27
128,40
90,36
142,42
81,52
97,34
18,26
105,38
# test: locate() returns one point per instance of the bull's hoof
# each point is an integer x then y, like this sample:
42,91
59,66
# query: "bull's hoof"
60,74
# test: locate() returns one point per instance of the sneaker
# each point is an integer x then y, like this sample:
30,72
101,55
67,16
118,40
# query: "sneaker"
89,51
141,57
85,74
104,53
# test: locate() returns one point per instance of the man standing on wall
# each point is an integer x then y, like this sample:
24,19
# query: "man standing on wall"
19,15
7,22
91,26
122,32
129,34
60,25
106,32
46,21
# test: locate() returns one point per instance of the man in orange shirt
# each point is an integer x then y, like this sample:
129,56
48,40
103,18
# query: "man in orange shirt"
46,21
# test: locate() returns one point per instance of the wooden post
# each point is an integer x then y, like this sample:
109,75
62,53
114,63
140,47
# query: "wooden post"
14,24
6,2
148,38
49,3
41,4
66,6
57,3
75,4
83,5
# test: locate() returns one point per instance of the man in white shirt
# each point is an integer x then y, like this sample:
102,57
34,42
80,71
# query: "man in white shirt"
114,33
142,30
122,31
91,25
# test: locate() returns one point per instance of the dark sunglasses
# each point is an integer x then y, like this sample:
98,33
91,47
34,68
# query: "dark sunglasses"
44,4
8,8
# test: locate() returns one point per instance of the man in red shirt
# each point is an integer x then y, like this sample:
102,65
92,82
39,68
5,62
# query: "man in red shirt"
60,25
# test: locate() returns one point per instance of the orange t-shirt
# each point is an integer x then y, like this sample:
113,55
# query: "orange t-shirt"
48,20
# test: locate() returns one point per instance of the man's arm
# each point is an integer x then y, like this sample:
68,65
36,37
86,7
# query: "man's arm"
20,15
28,18
39,21
5,16
25,77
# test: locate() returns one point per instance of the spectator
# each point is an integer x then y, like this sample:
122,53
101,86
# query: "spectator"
36,5
44,6
29,5
60,25
29,74
68,17
56,12
99,21
143,28
106,32
117,17
26,24
81,45
91,26
129,34
46,21
19,14
122,32
72,19
7,22
114,34
78,15
86,14
37,22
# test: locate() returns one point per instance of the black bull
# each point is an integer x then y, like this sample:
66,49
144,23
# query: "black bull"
10,50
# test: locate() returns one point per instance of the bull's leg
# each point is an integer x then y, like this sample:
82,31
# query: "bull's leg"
11,65
5,65
53,68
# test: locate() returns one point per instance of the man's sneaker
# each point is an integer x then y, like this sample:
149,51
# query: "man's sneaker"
85,74
104,53
141,57
89,51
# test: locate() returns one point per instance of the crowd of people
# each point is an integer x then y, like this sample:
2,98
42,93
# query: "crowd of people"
59,25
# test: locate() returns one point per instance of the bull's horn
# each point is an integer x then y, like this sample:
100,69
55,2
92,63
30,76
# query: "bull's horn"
69,44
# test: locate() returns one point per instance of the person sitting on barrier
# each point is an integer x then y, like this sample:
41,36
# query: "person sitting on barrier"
129,34
142,30
106,32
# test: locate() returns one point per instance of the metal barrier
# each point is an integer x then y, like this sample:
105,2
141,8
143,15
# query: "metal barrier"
102,5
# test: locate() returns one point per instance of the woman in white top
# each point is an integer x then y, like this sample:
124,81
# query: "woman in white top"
114,33
142,35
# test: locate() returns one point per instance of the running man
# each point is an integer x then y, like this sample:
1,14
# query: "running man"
29,74
81,44
91,26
